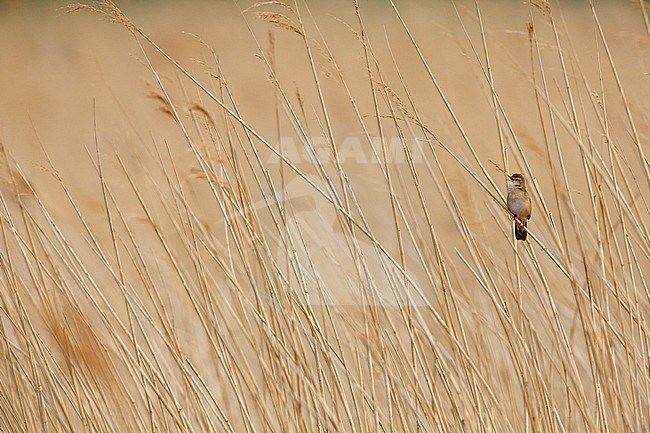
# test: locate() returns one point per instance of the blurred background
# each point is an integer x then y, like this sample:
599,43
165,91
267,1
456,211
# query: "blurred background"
54,65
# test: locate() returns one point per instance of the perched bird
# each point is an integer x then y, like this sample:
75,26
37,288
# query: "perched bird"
519,204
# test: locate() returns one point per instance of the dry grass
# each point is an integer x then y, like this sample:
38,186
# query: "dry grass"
296,222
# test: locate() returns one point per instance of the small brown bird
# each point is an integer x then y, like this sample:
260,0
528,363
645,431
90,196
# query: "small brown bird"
519,204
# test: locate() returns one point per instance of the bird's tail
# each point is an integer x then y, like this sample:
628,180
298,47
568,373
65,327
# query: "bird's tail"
520,229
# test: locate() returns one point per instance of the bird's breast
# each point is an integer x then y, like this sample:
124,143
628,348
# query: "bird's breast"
519,203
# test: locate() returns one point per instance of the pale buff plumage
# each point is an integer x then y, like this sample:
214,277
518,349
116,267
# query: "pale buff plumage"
519,204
